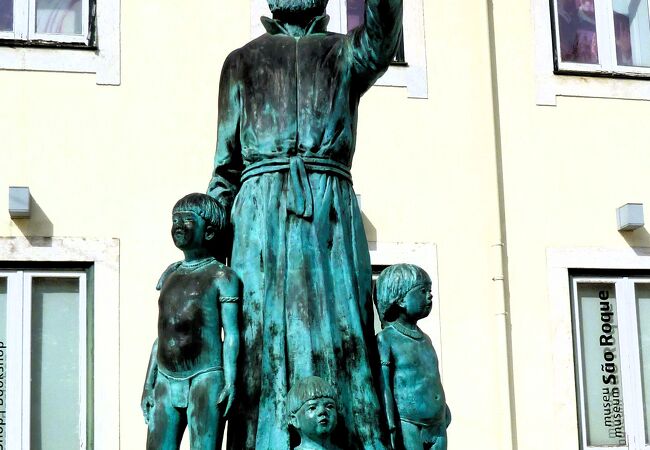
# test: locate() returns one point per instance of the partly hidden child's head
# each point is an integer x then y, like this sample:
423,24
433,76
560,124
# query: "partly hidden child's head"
403,289
312,408
196,219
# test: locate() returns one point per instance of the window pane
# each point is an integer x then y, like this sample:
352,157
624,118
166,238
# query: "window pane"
6,15
59,16
355,13
632,30
643,308
55,408
601,365
3,359
577,27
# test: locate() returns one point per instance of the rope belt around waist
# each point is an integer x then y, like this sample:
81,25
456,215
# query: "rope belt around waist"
300,200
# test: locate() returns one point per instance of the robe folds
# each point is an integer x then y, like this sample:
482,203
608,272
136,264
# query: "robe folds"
286,138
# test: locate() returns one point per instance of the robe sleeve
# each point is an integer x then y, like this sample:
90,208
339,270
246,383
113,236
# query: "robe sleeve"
227,159
373,44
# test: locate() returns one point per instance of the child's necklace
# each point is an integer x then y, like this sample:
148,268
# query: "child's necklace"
193,265
414,334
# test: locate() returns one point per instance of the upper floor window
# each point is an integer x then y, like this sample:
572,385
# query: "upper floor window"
46,21
355,17
602,36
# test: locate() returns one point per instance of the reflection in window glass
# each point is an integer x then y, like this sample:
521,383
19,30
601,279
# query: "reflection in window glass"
355,13
632,31
601,367
356,17
58,16
55,399
643,310
6,15
577,27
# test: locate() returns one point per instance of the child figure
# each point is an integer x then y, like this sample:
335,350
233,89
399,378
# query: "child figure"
191,376
312,406
414,400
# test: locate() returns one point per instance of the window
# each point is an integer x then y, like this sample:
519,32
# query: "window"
62,36
56,356
612,345
602,36
46,21
410,67
43,330
355,17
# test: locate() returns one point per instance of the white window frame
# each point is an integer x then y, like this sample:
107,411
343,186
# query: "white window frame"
103,59
607,62
19,307
24,25
104,257
412,76
630,374
560,263
550,85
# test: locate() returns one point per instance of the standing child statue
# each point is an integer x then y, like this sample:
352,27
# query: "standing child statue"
191,375
414,400
312,406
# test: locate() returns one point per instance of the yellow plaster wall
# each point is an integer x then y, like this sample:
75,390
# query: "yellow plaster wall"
566,170
106,161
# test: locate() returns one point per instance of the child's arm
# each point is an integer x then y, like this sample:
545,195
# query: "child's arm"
229,301
385,383
147,402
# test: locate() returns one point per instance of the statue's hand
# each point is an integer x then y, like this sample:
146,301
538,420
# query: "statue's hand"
227,396
147,404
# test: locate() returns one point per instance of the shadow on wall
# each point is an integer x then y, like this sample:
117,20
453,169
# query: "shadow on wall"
38,225
639,238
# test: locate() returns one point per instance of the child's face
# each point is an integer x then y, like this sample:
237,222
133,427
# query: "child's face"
188,229
418,301
316,418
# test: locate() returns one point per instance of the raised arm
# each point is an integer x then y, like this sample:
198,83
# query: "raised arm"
229,298
227,159
385,383
375,42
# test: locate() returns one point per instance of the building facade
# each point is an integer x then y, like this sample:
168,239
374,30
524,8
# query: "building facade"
495,154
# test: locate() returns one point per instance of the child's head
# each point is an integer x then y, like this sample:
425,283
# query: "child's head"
396,284
196,218
312,407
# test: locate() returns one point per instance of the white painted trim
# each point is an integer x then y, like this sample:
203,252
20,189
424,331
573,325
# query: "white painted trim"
549,86
14,370
559,262
26,405
104,61
413,76
104,255
424,255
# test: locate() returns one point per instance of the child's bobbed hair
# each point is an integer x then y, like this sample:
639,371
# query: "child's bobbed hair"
306,389
393,284
206,207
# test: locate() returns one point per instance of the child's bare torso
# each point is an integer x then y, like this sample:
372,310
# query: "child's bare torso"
189,323
416,385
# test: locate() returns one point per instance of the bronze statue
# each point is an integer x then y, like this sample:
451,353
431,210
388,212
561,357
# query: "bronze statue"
191,377
414,399
312,407
288,104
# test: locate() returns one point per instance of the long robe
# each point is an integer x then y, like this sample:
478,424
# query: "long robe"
286,138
